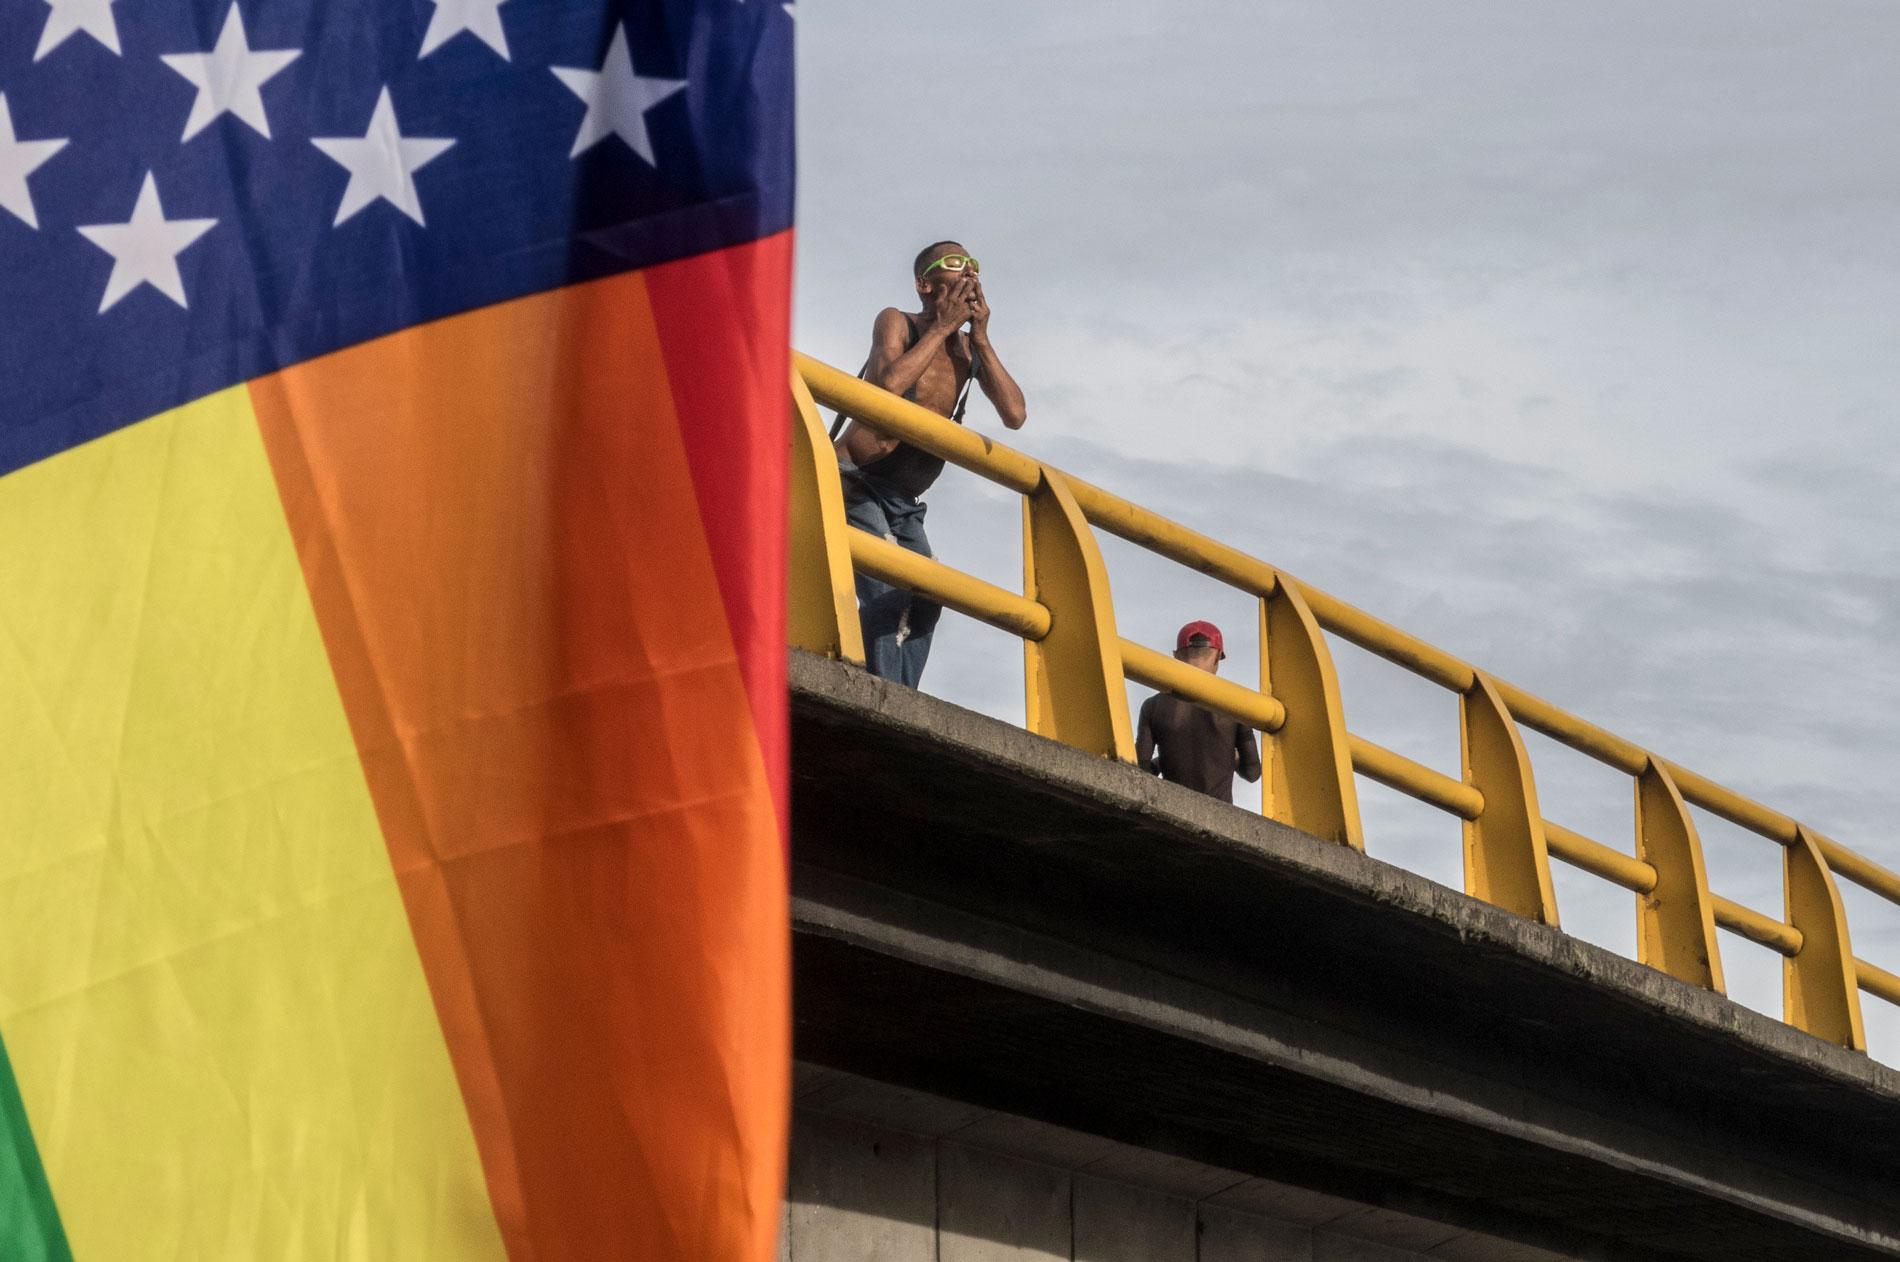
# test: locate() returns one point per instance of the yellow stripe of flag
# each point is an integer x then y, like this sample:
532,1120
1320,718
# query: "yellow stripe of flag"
208,990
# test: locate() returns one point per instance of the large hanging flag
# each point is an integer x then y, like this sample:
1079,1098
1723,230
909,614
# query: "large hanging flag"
391,664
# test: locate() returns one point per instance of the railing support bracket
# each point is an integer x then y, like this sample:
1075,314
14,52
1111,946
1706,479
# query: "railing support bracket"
1507,862
1308,783
1675,921
1073,678
821,595
1820,985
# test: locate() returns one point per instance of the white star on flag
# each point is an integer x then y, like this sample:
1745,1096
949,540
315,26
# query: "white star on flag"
480,18
19,159
617,100
230,77
145,249
69,17
383,163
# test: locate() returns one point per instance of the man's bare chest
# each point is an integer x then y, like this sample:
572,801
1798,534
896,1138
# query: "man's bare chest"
942,380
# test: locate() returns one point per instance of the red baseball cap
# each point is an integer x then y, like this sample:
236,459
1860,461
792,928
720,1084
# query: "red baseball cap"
1206,630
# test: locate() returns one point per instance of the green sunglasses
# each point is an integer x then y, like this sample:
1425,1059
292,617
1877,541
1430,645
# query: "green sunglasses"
953,263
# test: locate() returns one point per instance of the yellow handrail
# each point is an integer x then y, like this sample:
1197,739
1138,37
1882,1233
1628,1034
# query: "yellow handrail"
1607,862
970,596
918,426
1859,869
1158,670
1415,779
1074,695
1878,981
1756,927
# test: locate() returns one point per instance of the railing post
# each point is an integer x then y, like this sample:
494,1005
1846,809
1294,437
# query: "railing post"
1675,922
1308,783
1073,682
1506,859
821,598
1820,985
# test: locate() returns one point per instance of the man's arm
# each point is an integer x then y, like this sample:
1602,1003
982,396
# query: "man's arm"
1247,755
1145,739
895,368
998,386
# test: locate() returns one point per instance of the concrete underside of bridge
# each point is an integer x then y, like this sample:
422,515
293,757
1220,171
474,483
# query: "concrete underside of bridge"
998,920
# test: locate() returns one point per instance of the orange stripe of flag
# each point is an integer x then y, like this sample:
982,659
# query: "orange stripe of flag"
499,529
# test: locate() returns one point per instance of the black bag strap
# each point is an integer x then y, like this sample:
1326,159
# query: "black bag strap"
839,421
963,395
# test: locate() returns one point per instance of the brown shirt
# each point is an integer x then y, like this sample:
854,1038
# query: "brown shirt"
1198,747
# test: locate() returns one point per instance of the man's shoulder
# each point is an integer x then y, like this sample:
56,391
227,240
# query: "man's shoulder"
1163,706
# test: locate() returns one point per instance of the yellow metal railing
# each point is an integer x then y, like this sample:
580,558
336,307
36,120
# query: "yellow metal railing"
1076,662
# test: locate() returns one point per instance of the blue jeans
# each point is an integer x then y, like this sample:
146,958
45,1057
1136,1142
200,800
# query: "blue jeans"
897,625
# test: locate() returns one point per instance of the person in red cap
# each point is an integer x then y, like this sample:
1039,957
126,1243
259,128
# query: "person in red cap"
1198,748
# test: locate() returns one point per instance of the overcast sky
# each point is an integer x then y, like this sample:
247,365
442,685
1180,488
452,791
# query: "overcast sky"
1565,336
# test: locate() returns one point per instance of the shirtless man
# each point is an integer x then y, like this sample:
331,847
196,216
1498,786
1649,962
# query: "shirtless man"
928,358
1199,748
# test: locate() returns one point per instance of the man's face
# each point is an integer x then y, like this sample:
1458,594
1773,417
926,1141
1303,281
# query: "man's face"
935,279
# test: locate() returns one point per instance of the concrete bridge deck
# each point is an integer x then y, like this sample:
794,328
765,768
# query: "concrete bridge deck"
1000,920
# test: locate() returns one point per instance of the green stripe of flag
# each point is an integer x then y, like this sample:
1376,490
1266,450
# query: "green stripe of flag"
29,1221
